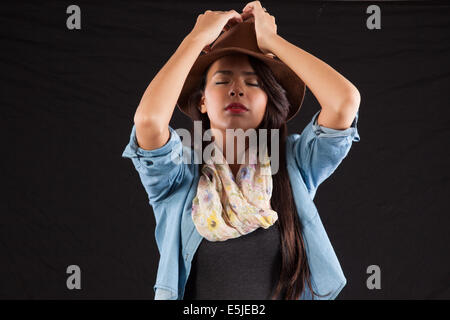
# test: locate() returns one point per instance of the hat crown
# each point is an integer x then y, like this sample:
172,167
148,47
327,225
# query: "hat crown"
241,35
241,38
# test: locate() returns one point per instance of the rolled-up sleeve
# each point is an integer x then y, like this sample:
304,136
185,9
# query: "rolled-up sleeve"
319,150
160,170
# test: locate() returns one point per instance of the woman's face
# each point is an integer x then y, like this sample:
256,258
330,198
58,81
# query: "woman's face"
226,83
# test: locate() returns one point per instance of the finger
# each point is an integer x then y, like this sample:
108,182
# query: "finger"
252,5
233,19
230,24
227,27
246,15
253,12
235,16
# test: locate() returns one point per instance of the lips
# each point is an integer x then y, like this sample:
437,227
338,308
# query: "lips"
236,107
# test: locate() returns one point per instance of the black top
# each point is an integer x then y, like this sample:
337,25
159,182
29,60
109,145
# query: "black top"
242,268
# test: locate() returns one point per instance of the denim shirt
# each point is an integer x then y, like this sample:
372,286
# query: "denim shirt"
311,157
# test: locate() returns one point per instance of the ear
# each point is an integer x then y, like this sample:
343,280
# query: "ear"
202,106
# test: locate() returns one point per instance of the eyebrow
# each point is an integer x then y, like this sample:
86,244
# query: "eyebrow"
229,72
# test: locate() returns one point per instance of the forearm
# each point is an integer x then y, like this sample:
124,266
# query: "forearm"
160,98
329,87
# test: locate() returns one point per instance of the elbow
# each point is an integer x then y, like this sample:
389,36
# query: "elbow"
148,122
143,118
356,99
139,117
351,101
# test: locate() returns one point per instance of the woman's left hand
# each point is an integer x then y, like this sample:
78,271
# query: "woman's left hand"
265,26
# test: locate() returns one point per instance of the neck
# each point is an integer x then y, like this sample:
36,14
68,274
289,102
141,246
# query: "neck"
233,141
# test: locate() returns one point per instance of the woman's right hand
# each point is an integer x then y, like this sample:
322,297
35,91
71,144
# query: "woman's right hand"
210,24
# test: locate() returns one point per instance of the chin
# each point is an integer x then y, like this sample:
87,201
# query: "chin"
244,128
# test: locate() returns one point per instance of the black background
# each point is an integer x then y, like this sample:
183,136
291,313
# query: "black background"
68,99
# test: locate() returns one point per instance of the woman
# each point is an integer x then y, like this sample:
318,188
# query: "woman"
222,231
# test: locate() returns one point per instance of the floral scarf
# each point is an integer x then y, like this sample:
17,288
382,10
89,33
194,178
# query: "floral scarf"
226,208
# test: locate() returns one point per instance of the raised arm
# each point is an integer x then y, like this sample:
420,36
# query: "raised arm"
156,107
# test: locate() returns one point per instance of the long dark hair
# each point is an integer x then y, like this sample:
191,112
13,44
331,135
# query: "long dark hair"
295,273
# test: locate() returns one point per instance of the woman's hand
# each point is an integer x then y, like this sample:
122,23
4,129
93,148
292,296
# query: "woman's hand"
210,24
265,26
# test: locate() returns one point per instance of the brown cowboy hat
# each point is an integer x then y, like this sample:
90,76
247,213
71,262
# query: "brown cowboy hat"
241,38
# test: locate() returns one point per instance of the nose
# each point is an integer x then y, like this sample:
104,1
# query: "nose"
234,91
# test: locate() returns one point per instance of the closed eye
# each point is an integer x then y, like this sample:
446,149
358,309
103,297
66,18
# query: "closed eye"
251,84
